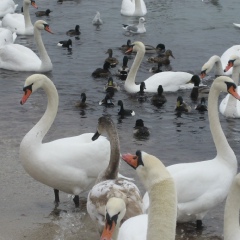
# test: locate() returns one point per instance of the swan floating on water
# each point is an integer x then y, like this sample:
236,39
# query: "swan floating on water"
68,164
170,81
17,57
133,8
21,24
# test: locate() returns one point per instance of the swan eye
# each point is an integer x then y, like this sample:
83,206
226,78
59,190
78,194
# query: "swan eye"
29,87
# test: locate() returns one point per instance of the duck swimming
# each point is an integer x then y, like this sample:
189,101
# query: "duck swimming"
74,32
124,112
102,72
112,60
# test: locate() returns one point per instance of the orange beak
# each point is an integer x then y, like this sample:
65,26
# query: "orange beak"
34,5
129,50
230,64
47,28
25,96
233,92
130,159
203,75
108,231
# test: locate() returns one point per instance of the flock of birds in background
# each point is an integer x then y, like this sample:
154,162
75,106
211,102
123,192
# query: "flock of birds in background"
173,192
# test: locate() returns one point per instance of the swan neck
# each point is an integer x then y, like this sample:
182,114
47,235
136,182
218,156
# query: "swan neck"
224,151
41,128
135,66
27,19
231,213
111,171
138,7
43,55
162,211
218,65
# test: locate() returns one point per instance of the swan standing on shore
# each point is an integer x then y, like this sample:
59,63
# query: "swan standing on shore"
160,222
229,106
7,6
68,164
17,57
170,81
133,8
21,24
110,188
197,193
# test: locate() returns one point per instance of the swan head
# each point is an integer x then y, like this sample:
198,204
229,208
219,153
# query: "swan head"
115,211
42,25
32,83
30,2
207,67
104,123
149,168
233,61
226,84
136,46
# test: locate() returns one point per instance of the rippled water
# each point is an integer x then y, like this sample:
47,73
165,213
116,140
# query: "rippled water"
194,30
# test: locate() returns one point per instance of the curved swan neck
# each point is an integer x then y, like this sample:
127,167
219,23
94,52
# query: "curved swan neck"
135,66
162,210
224,151
41,128
215,60
27,19
41,48
111,171
231,213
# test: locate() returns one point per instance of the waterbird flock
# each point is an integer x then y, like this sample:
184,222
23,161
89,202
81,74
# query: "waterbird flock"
177,184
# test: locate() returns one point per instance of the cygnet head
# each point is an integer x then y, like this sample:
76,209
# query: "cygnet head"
104,123
115,211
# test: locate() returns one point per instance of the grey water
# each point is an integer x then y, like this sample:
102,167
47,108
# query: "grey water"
194,31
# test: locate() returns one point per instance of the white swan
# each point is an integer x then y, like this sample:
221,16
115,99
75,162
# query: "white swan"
160,223
6,36
69,164
229,106
21,24
170,81
7,6
133,8
231,212
197,193
109,186
20,58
